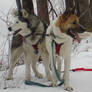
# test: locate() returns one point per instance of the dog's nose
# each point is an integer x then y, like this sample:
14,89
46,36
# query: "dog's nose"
10,29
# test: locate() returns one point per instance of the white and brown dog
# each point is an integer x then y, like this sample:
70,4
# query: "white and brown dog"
64,28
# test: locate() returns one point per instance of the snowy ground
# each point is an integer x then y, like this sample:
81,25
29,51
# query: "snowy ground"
80,81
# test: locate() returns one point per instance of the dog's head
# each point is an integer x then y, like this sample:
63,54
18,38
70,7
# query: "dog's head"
19,27
68,23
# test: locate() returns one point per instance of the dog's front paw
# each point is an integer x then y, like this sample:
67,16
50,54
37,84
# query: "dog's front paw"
27,78
68,88
53,85
39,75
49,78
8,78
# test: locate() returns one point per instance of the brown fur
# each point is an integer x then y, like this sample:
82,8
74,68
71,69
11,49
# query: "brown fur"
64,27
65,23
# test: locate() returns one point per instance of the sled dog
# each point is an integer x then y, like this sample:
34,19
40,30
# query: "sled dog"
23,47
64,28
29,26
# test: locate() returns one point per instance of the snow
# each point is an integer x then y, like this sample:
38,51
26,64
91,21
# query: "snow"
80,81
81,57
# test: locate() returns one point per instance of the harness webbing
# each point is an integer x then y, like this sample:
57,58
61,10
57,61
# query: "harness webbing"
39,84
57,75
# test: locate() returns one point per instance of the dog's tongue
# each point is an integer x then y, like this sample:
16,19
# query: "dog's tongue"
77,37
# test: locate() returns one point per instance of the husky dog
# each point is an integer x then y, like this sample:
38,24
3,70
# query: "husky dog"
24,47
29,41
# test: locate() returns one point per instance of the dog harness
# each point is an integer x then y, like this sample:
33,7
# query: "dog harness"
17,41
58,48
35,48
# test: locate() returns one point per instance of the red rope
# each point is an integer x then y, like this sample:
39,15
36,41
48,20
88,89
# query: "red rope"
81,69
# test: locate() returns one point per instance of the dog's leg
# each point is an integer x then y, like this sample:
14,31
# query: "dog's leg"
66,51
27,61
46,62
34,61
49,49
15,53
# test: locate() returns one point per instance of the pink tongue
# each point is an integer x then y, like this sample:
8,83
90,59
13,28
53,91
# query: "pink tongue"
77,37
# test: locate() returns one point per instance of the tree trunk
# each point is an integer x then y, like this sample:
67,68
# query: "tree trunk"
77,7
42,9
28,5
86,15
83,10
69,3
18,4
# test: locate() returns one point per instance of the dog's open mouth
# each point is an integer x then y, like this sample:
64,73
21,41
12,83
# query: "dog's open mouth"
17,31
74,35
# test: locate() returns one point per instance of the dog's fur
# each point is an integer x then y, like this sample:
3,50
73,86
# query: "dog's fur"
64,27
29,51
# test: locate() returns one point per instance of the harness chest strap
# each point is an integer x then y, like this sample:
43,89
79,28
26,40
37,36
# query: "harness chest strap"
17,41
58,46
35,48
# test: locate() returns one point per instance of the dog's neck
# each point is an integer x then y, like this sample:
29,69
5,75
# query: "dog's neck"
58,23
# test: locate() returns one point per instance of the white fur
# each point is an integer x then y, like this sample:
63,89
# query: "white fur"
65,51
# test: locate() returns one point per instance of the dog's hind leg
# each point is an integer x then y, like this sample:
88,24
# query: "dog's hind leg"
15,53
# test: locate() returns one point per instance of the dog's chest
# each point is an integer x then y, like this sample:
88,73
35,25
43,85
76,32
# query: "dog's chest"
57,48
17,41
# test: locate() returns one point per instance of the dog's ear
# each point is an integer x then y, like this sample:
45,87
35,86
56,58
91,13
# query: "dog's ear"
14,13
67,13
72,11
24,13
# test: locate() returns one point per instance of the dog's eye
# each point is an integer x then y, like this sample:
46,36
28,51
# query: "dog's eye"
74,22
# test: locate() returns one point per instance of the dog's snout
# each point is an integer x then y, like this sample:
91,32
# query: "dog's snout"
10,29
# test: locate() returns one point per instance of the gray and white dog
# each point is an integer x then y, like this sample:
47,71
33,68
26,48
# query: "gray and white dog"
30,27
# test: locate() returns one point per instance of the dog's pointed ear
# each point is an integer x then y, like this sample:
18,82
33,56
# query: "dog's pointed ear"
24,13
66,14
72,10
14,13
69,11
